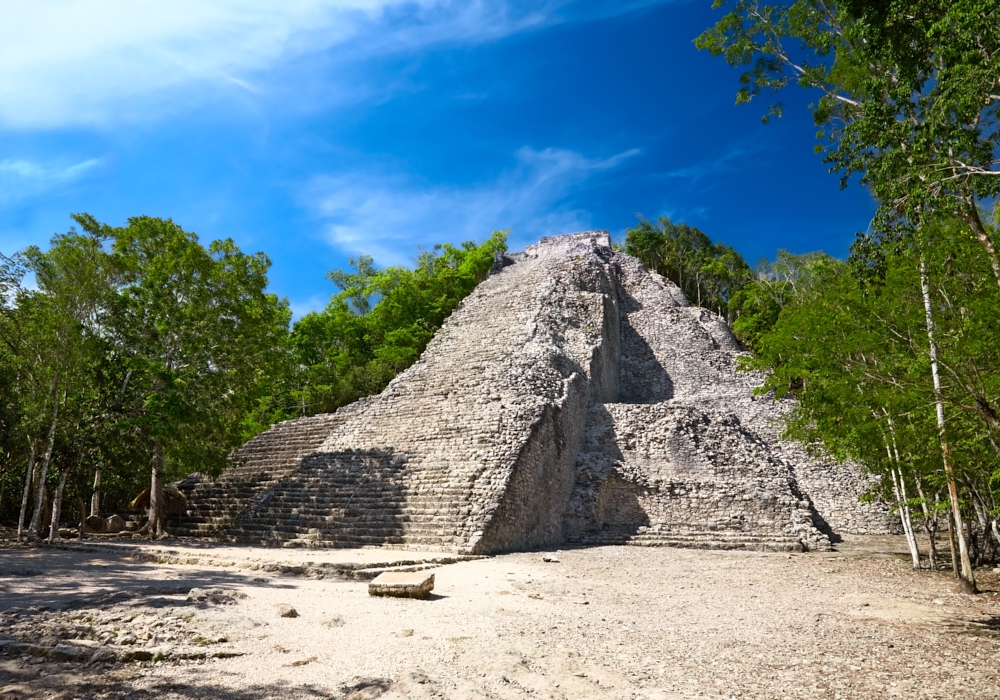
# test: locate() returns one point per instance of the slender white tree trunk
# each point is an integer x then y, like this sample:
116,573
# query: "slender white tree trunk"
36,522
909,518
57,507
930,525
28,478
904,516
899,486
95,500
156,492
966,575
901,506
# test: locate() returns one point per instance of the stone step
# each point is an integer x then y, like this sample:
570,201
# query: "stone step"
709,539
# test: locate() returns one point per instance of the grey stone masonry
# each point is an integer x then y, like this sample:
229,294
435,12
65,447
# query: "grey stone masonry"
573,396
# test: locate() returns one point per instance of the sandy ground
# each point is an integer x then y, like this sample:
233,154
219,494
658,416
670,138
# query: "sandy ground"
601,622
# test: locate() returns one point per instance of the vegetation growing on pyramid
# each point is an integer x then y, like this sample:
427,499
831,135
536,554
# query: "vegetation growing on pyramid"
708,273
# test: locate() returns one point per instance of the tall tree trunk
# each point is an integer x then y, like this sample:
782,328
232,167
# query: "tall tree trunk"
899,487
29,476
82,507
36,522
909,515
972,218
95,500
984,525
966,576
951,544
156,492
904,516
57,507
37,532
930,525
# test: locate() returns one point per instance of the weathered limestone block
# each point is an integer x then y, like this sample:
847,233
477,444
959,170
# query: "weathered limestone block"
95,523
114,523
402,584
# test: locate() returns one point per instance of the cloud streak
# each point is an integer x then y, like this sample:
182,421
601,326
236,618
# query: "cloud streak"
97,62
387,216
21,179
728,161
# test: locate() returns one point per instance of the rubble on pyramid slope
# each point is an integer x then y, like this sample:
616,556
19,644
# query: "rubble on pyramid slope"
574,395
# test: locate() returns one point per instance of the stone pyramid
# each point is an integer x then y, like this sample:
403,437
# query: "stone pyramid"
574,396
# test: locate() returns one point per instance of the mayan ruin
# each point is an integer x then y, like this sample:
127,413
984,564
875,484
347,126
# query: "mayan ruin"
468,350
574,397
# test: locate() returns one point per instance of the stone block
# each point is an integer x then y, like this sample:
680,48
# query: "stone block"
287,611
68,653
402,584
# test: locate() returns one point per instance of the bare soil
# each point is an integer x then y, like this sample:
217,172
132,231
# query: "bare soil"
598,622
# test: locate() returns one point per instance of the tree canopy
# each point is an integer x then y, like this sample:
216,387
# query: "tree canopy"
708,273
908,96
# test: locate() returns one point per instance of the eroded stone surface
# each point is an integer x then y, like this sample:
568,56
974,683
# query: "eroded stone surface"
573,396
402,584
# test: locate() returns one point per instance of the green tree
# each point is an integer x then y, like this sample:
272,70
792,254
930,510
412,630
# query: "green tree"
891,373
789,277
195,331
909,96
708,273
355,285
48,334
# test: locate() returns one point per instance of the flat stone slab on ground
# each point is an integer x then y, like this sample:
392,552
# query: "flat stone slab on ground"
402,584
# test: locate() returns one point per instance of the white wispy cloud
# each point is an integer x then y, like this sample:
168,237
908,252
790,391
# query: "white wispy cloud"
20,179
388,217
98,61
726,162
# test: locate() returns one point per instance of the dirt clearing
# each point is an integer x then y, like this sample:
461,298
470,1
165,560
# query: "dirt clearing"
607,622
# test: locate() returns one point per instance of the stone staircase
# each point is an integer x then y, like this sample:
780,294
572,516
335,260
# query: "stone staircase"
314,499
573,396
255,469
463,451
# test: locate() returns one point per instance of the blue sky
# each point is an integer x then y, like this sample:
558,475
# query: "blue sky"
314,130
